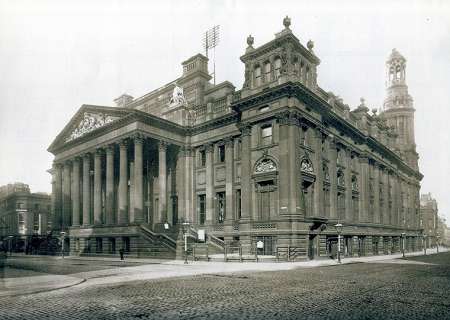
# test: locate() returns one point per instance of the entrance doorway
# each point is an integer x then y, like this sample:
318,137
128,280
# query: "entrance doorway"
268,248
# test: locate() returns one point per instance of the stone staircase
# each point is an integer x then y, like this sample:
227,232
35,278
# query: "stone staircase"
157,244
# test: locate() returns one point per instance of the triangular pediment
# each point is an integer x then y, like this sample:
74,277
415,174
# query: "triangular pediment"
89,122
88,119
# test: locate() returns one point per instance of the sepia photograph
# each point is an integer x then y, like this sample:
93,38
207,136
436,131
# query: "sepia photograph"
224,159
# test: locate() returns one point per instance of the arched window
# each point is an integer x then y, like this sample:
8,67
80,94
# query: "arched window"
277,67
257,73
306,165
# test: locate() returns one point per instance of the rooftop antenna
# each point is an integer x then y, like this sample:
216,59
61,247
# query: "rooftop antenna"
210,41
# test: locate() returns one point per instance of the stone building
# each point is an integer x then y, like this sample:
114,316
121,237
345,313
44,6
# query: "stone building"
23,214
430,219
281,160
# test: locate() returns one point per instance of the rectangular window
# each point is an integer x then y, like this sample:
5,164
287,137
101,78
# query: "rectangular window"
202,158
257,77
21,223
220,206
238,149
99,245
221,153
201,205
266,135
238,204
36,222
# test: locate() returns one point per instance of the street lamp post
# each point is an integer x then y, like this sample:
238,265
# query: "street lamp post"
425,244
10,245
437,242
403,243
339,227
62,243
185,234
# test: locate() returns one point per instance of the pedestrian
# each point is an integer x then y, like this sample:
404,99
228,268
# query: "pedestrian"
121,252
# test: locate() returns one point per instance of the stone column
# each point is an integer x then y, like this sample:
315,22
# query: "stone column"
318,184
162,181
76,192
295,206
284,183
181,185
246,195
385,208
229,189
98,187
123,184
138,180
332,157
209,184
86,190
57,196
67,205
348,186
376,193
109,216
364,189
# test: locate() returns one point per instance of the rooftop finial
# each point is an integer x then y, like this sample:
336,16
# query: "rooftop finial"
287,22
250,40
310,45
363,101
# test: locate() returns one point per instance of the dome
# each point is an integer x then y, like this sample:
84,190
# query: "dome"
395,55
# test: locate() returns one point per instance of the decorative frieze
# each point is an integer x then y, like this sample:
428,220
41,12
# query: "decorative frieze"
90,122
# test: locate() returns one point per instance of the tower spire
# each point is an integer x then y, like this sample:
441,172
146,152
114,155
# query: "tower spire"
398,107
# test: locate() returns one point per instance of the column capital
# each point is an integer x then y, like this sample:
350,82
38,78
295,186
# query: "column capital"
209,147
162,145
246,129
57,165
124,143
363,158
76,160
185,151
68,163
138,138
288,117
99,152
86,155
110,148
229,142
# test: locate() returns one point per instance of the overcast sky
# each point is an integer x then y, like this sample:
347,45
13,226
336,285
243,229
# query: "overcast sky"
57,55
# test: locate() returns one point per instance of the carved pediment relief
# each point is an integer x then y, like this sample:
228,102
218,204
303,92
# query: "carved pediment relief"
90,122
265,165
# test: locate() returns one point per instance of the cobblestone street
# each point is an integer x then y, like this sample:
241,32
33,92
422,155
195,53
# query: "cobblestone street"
415,288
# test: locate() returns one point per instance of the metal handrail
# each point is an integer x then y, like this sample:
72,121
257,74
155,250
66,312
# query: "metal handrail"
161,237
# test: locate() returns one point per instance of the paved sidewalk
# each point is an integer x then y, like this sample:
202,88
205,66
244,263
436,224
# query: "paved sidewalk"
157,269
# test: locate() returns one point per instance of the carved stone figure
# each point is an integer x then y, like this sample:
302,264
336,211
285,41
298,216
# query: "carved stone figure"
177,96
265,165
90,122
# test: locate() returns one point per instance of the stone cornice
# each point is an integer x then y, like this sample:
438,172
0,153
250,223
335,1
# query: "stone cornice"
276,44
315,102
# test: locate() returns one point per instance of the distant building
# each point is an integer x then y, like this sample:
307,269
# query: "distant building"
280,161
23,214
429,219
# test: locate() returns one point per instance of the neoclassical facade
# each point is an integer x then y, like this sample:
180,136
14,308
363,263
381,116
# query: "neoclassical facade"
280,160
